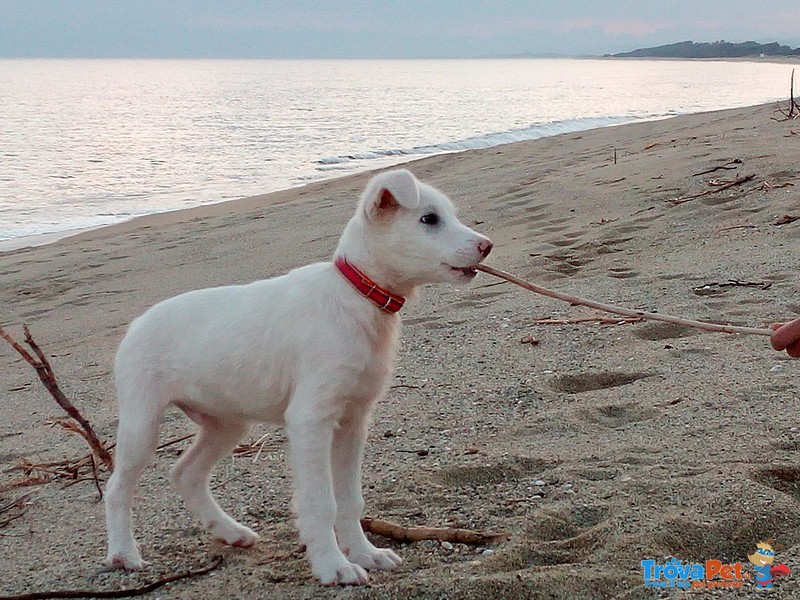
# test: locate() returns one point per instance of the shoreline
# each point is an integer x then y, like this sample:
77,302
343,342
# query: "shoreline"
381,162
252,202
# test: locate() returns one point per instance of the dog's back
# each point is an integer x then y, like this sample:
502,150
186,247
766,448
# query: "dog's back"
239,351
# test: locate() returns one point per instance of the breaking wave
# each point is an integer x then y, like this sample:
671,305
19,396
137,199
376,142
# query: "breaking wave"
535,131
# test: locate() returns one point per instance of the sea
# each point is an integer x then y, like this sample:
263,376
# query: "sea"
86,143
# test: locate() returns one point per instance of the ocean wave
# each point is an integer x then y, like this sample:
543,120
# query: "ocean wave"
535,131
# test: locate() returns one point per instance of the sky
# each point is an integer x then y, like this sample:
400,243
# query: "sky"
379,29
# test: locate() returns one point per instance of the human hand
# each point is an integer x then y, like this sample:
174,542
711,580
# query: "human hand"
786,336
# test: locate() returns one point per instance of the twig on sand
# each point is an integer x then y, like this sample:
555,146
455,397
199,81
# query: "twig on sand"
578,320
244,449
125,593
18,503
736,227
718,188
786,219
793,111
169,443
255,448
618,310
96,479
764,285
42,473
399,533
728,166
25,482
766,185
15,503
46,374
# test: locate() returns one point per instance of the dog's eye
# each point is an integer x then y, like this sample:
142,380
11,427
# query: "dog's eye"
430,219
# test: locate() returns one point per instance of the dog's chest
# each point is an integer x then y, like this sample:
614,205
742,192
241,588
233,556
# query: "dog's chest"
374,363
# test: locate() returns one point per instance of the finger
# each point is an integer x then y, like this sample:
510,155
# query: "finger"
786,335
778,341
793,350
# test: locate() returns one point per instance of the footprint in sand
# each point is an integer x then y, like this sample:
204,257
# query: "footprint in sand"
729,538
479,300
561,242
616,416
655,332
622,273
564,263
785,479
589,382
510,469
555,535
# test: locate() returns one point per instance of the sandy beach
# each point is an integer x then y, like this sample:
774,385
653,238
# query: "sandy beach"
596,448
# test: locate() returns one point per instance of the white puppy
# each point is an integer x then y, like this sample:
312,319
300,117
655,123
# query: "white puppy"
311,350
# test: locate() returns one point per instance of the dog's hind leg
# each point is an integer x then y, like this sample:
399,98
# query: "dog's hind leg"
348,449
137,437
191,475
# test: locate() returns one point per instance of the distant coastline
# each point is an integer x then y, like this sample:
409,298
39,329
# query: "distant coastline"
720,49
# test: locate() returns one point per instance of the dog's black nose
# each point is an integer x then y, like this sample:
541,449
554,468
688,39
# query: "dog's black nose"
484,247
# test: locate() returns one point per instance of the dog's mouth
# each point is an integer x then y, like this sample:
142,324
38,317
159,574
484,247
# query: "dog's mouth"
469,272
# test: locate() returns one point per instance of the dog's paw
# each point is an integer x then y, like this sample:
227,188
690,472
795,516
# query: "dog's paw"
235,535
344,573
374,559
126,561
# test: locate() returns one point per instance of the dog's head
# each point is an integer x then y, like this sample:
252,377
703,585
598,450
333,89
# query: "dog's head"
408,232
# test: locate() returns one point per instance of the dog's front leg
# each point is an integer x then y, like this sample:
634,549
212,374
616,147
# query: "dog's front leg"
348,450
310,438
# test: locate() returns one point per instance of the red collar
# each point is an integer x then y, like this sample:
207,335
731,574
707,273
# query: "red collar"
382,298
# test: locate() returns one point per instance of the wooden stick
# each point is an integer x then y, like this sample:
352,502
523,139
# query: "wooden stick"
125,593
738,181
398,533
578,320
620,311
45,372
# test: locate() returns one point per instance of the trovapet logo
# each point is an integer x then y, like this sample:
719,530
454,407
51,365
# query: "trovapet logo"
674,573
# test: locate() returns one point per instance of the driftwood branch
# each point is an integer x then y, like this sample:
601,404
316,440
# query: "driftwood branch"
717,188
125,593
625,312
398,533
48,378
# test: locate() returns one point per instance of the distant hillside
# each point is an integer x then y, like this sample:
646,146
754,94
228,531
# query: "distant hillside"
719,49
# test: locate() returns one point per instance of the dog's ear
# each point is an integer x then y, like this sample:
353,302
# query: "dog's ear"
388,192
